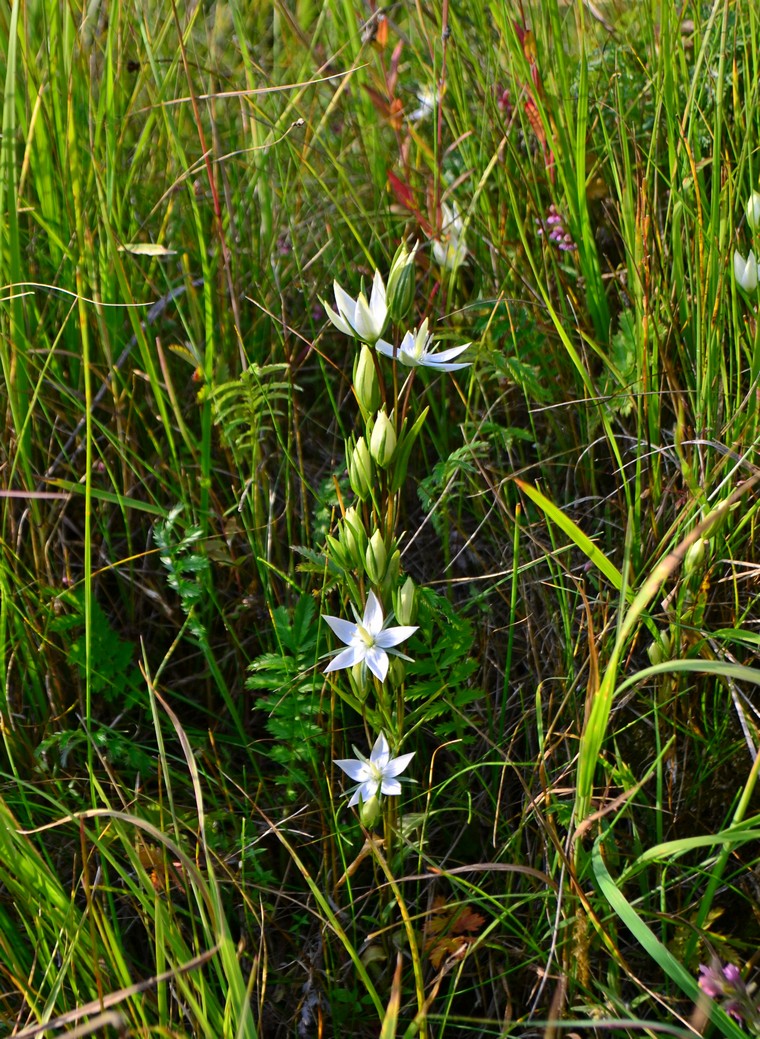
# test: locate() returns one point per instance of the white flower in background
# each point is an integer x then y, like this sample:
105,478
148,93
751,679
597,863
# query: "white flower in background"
376,775
745,272
450,250
357,317
368,641
753,210
428,99
416,351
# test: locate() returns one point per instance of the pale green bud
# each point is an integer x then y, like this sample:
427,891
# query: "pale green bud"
360,469
353,537
659,651
382,443
752,211
404,603
338,552
396,672
359,679
401,283
695,556
376,558
366,386
392,572
369,812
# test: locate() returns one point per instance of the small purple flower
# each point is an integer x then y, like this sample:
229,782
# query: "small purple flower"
727,985
711,981
553,226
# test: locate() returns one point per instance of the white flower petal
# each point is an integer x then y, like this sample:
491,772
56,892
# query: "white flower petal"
450,354
377,661
373,615
391,787
452,221
347,658
395,766
393,636
345,304
431,362
381,752
337,320
377,298
745,271
356,770
365,792
345,630
385,348
363,321
408,359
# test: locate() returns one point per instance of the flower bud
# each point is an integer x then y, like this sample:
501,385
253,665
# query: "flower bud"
382,443
396,672
338,552
404,603
401,283
745,271
695,556
369,812
392,572
353,538
366,386
360,469
360,680
376,558
659,651
752,211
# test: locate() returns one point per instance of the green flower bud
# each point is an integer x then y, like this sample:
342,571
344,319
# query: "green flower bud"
401,283
360,469
376,558
369,812
338,552
404,603
659,651
382,443
366,386
752,211
353,538
396,672
695,556
360,680
392,572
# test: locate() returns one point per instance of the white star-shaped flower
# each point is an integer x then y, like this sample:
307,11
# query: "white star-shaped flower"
368,641
376,775
428,99
450,250
416,351
357,317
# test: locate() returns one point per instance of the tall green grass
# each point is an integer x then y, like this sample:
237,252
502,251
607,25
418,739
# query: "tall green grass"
179,186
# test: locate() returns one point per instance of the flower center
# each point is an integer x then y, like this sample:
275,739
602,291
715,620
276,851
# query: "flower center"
367,637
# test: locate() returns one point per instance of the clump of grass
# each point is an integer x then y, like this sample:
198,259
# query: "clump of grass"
179,188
